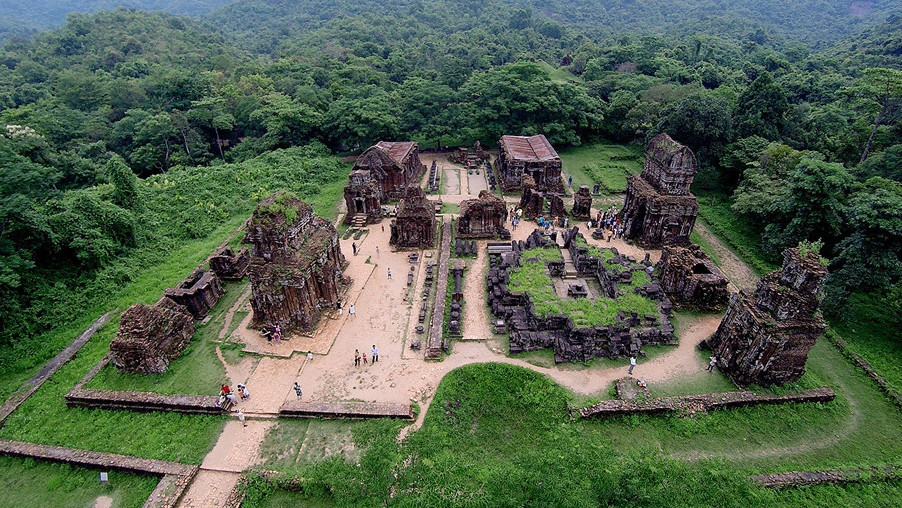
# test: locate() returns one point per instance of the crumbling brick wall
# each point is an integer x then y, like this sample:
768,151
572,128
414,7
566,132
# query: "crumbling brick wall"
296,264
229,265
151,336
765,337
532,202
691,279
483,217
199,293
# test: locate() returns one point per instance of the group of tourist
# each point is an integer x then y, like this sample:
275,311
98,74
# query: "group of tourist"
609,223
227,398
374,356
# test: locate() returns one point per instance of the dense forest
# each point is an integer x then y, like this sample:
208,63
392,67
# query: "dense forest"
104,114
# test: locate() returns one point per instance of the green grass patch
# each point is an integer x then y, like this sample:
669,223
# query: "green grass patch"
870,326
605,163
451,208
560,74
44,418
27,482
197,371
282,443
533,278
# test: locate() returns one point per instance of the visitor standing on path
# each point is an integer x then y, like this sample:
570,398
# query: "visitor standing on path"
356,358
377,251
351,310
297,389
242,391
632,364
309,356
354,247
241,418
389,274
375,353
383,228
364,359
712,364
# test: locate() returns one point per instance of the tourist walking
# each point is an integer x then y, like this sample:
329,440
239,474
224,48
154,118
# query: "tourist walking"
354,247
356,358
389,274
309,356
377,251
351,310
375,353
242,391
712,364
632,364
241,418
297,389
364,359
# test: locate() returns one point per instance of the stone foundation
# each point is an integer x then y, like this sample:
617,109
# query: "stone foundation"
691,279
151,336
198,293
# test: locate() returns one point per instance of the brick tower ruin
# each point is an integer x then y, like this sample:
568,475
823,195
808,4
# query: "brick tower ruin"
151,336
765,337
414,227
691,279
296,264
659,209
582,204
483,217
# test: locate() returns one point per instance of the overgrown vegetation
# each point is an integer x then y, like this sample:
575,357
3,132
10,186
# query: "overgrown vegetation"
533,278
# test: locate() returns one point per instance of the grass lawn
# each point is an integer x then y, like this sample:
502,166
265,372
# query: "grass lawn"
604,163
715,213
27,482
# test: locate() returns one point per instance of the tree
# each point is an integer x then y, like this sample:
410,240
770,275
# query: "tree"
761,109
287,121
211,113
881,89
870,258
125,184
702,122
813,206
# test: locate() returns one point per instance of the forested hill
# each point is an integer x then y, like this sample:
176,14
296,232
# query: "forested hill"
809,21
26,17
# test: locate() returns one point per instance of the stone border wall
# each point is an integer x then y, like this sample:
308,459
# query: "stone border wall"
434,342
352,410
16,399
803,478
691,404
855,358
175,476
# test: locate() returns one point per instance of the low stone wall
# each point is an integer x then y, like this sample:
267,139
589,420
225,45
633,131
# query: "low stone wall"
142,401
350,410
434,342
175,476
802,478
866,367
691,404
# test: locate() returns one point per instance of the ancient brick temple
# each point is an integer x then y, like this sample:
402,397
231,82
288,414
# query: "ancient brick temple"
296,264
529,155
151,336
199,293
414,227
765,337
230,265
379,175
556,206
691,279
483,217
532,202
659,209
582,204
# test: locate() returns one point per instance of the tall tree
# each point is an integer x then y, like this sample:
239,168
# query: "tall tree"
882,89
761,109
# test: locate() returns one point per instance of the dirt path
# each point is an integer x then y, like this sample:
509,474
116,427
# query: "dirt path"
739,273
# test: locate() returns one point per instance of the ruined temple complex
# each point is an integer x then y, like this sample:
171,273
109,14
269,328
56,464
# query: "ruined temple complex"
530,331
414,226
659,209
529,155
296,264
483,217
380,174
151,336
765,337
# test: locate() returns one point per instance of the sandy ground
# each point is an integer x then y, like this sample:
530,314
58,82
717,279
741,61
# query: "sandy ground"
386,314
103,502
